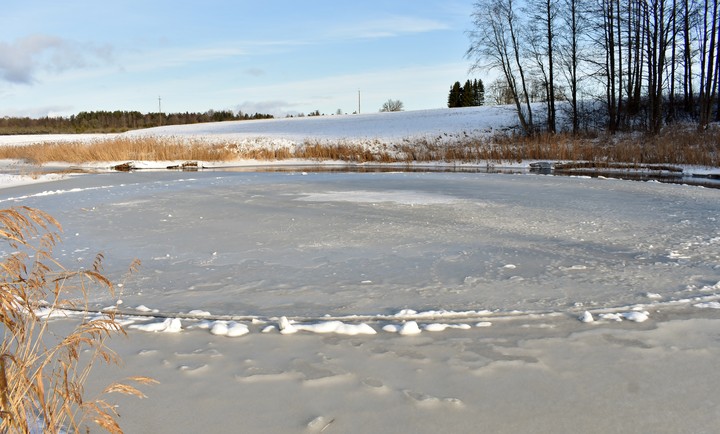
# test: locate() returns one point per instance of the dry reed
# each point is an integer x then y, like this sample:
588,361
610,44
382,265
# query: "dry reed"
42,374
677,145
119,149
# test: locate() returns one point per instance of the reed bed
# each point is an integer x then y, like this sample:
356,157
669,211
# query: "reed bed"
42,373
675,146
119,149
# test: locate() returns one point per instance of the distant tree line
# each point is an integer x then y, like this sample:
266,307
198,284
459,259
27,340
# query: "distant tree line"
114,121
471,94
644,63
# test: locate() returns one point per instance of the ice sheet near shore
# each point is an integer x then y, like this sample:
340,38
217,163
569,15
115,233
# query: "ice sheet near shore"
482,283
528,377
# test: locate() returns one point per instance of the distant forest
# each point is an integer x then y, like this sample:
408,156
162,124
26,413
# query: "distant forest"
114,122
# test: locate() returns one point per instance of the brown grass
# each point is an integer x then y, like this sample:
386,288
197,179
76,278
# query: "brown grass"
42,374
676,145
119,149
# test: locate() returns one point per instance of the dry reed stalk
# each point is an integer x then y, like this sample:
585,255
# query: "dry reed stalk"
119,149
42,375
677,145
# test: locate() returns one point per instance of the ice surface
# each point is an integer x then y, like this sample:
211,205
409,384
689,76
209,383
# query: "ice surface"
281,244
316,261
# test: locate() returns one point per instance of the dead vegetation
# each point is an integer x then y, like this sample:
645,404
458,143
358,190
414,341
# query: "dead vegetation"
675,146
119,149
42,374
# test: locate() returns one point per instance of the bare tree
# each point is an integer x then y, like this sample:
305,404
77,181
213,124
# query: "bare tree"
569,54
634,26
657,24
708,66
688,94
392,105
631,54
495,45
499,93
542,35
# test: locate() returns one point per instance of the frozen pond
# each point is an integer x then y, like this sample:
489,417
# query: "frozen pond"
505,250
313,244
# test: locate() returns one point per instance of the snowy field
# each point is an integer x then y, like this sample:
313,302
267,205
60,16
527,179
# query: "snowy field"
401,302
394,127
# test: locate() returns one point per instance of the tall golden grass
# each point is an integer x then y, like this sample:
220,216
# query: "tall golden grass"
677,145
119,149
42,374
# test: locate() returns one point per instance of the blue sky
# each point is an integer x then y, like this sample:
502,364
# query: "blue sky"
278,57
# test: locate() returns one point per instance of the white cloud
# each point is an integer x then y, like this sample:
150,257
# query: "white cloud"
22,59
390,27
255,72
38,112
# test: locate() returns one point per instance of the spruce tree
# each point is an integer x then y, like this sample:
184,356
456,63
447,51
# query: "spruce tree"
455,97
468,95
478,92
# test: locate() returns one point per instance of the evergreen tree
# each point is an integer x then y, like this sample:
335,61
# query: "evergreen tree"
478,93
468,97
471,94
455,97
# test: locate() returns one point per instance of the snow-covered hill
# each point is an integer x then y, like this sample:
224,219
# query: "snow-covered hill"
385,127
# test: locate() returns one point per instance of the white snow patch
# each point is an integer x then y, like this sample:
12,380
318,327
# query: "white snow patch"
708,305
436,327
169,325
408,328
586,317
11,180
611,316
337,327
229,328
286,327
636,316
199,313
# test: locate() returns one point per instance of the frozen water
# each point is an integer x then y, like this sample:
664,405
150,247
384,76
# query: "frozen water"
273,244
365,286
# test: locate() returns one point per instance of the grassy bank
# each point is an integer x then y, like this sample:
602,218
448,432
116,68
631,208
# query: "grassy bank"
676,146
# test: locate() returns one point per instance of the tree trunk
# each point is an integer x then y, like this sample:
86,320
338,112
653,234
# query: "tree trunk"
551,64
688,98
707,74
